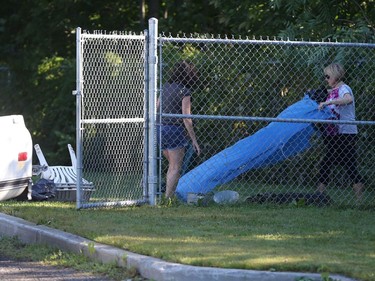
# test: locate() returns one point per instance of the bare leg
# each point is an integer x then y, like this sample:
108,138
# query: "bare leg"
175,158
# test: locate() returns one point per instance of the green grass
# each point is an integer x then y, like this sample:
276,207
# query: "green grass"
115,185
281,238
13,248
341,197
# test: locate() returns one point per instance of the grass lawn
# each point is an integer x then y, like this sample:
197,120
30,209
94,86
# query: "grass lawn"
244,236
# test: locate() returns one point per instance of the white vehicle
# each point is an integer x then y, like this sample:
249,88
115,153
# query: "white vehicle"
16,150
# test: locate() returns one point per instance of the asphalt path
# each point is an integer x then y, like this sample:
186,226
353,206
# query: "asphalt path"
14,270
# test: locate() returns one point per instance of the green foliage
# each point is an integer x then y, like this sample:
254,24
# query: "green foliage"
335,20
296,19
248,17
37,48
41,63
188,17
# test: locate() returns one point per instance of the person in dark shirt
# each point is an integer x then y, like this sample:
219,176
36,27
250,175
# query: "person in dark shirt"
175,132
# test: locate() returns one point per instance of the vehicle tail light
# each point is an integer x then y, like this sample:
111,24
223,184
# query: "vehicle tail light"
22,156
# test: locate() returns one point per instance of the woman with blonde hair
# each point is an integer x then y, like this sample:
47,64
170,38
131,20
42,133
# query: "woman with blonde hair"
340,140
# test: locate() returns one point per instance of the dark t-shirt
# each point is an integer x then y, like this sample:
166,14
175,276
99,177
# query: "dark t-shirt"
171,102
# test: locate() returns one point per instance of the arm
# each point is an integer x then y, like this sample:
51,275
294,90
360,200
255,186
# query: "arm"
186,109
346,99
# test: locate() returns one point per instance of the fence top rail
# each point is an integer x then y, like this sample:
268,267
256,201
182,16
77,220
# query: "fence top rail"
267,41
112,120
114,36
98,34
267,119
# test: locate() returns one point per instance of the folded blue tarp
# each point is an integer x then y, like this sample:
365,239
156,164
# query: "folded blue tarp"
270,145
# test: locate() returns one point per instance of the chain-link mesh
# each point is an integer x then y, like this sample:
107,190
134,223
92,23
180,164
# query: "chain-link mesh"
113,98
243,85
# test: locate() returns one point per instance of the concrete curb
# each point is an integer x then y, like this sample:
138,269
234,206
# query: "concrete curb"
148,267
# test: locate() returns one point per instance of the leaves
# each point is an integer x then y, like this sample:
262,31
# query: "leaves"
37,50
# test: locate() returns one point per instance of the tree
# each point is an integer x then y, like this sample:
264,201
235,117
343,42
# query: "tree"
296,19
38,48
187,17
37,42
248,17
347,20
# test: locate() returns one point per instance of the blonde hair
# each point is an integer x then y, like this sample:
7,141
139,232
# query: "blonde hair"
335,70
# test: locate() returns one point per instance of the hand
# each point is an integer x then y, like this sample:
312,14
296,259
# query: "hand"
322,105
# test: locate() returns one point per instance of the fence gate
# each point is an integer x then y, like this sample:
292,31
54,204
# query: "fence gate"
110,119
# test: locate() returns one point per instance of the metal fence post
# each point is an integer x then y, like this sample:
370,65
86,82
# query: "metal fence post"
77,92
152,91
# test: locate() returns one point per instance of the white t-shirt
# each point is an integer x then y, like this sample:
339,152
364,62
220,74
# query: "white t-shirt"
346,112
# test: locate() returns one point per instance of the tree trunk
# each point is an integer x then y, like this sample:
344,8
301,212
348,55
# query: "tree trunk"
142,13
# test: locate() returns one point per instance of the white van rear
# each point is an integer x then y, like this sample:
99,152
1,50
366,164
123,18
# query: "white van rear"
15,157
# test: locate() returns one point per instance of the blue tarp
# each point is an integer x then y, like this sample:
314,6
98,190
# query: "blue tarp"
270,145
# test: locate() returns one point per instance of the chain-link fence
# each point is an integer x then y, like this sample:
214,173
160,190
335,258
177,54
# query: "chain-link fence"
111,113
259,136
254,113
